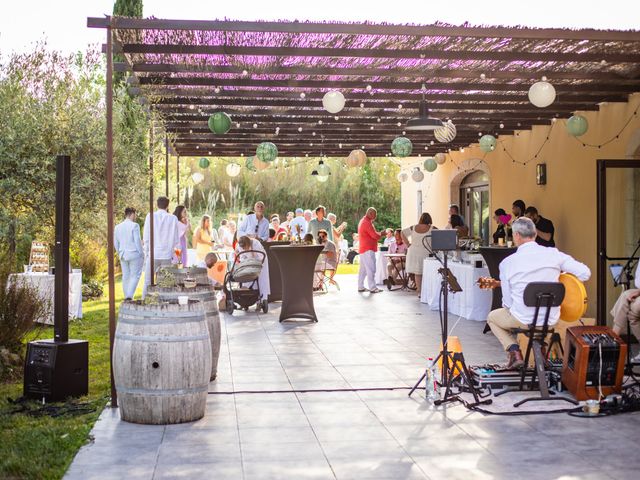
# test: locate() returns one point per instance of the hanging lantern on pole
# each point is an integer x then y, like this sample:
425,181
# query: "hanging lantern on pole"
267,152
440,158
488,143
401,147
233,169
542,94
204,163
219,123
577,125
333,101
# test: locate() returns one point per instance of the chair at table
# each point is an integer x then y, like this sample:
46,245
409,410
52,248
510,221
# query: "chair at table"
541,295
324,273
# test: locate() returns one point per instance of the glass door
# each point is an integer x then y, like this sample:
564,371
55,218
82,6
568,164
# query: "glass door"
474,205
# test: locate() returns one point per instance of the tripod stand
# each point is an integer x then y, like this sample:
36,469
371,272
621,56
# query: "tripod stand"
457,374
627,271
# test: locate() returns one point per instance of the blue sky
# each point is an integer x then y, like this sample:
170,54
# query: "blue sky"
63,22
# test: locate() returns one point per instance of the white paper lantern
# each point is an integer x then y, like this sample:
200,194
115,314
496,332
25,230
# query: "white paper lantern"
446,133
333,101
440,158
197,177
233,169
417,175
542,94
322,178
403,177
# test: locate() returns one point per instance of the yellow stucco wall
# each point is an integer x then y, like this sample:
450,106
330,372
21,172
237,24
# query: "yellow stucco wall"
568,199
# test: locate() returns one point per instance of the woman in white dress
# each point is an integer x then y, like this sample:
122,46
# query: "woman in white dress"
416,253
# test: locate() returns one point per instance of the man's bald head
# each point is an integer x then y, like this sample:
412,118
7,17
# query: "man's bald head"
372,213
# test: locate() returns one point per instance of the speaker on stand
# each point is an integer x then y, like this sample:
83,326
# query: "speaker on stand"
59,368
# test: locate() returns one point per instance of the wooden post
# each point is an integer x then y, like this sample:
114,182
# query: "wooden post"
109,175
151,247
178,200
166,164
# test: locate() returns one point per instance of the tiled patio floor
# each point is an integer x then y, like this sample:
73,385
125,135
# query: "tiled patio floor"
361,341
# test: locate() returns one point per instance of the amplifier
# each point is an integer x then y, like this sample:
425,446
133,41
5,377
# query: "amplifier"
593,357
56,370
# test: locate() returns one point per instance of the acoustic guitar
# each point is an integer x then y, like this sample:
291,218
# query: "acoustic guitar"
573,306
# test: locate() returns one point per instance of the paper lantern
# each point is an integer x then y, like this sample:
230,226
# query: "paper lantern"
322,178
357,158
446,133
233,169
403,177
267,152
401,147
417,175
577,125
323,170
542,94
488,143
440,158
219,123
203,162
249,164
430,164
197,177
333,101
259,164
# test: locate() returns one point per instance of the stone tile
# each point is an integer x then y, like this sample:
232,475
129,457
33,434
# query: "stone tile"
281,435
136,471
177,453
217,471
301,469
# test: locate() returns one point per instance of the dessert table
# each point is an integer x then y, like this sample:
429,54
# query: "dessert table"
297,265
472,303
44,283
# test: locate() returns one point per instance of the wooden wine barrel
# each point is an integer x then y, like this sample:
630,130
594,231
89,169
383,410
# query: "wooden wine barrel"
207,295
199,274
161,362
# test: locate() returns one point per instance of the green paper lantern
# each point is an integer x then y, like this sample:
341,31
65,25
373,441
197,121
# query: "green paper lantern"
430,164
488,143
577,125
401,147
267,152
250,166
219,123
204,162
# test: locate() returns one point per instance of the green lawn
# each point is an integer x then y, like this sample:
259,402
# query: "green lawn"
43,447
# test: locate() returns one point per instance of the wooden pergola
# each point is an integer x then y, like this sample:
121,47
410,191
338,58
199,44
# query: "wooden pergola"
270,77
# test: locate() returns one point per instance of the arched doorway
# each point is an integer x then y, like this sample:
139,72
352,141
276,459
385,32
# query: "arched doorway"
474,204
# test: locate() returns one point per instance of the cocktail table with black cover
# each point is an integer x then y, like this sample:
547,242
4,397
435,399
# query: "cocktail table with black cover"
493,256
275,280
297,265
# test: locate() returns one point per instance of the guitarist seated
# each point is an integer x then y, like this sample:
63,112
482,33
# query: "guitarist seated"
530,263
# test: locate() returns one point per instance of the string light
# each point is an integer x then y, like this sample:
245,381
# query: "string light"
302,95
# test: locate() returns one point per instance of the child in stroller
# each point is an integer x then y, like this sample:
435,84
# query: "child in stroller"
247,283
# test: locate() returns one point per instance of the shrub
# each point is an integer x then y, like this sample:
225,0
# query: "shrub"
91,257
20,307
92,290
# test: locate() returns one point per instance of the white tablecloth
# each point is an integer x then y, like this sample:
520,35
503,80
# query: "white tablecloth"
381,267
472,303
45,284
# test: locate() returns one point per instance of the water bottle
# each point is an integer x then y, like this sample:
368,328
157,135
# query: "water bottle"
430,380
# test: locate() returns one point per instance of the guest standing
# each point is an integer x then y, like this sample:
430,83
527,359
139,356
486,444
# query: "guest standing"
320,223
183,227
415,239
454,210
165,239
298,226
518,208
368,237
223,228
287,223
129,247
204,238
500,232
255,225
456,223
544,227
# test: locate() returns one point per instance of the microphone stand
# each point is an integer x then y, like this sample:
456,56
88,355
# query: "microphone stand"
458,374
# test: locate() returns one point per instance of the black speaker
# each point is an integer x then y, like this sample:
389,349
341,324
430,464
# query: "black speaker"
56,370
444,239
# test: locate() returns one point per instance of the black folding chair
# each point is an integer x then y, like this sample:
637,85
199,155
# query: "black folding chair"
539,295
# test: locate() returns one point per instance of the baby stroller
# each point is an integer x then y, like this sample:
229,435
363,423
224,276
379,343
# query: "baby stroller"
241,285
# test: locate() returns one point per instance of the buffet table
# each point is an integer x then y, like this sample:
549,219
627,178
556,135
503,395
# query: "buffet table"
44,283
297,265
472,303
381,267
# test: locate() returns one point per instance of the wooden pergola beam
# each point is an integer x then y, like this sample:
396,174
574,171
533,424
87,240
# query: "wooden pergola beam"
368,29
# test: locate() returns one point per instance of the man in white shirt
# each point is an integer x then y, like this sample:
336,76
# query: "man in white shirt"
126,241
530,263
298,223
389,237
255,225
308,216
628,307
165,239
